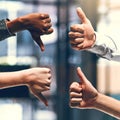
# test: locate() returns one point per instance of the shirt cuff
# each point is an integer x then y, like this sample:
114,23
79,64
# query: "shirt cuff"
4,32
104,46
102,39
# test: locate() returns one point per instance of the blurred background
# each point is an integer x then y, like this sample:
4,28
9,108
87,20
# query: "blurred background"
20,52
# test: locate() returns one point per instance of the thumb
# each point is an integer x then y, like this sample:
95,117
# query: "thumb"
39,95
42,98
40,43
38,40
81,15
81,75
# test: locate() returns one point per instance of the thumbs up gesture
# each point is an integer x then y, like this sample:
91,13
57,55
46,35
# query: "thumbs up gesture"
82,35
83,94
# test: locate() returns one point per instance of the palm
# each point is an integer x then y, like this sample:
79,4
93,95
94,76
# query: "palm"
89,94
88,34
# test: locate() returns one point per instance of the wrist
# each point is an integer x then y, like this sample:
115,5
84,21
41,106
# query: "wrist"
15,25
23,75
97,102
27,76
94,40
9,26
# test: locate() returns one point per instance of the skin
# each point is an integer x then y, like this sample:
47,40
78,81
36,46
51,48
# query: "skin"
36,23
84,96
36,79
82,35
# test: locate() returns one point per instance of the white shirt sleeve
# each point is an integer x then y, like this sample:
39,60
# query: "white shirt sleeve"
106,47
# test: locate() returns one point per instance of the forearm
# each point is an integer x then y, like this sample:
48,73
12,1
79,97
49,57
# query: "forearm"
11,79
108,105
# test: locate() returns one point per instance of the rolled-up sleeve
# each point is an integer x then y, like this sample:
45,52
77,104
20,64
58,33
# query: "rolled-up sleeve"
106,47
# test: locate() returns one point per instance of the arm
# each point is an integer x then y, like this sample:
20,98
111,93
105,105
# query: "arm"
36,79
84,95
106,47
37,24
108,105
83,37
4,32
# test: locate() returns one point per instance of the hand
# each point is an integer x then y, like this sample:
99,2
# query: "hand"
38,95
83,94
38,80
37,24
82,35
